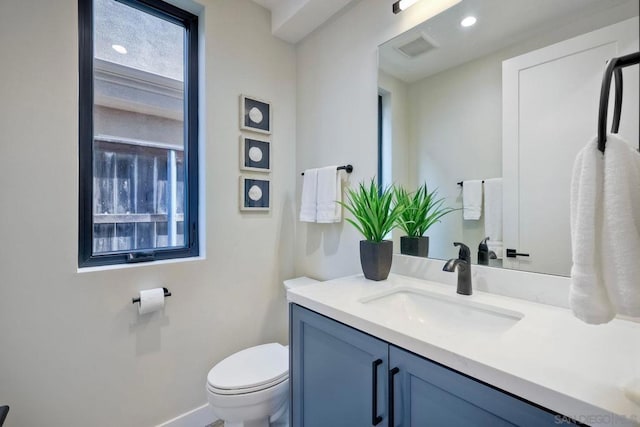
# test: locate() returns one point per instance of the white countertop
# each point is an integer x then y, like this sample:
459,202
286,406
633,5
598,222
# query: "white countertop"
548,357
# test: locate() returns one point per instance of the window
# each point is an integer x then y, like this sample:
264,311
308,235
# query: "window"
138,132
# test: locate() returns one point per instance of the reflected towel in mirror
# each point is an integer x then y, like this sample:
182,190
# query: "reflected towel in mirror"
472,199
493,214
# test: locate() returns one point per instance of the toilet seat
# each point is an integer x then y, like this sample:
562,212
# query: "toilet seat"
250,370
262,404
246,390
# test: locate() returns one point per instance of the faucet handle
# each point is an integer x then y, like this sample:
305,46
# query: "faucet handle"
483,247
465,253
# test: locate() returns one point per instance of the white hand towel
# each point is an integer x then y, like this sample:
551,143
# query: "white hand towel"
308,204
329,192
493,214
472,199
621,228
588,295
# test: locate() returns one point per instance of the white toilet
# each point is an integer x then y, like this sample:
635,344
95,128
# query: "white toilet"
250,388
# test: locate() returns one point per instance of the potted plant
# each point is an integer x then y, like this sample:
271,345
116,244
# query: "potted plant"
374,216
420,211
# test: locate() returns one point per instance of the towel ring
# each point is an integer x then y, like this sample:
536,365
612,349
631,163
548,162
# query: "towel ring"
614,69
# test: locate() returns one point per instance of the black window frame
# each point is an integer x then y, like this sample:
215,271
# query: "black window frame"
189,22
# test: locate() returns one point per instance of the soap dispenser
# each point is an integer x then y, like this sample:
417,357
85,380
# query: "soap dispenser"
483,252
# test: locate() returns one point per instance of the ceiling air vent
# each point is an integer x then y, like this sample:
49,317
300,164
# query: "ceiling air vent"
416,47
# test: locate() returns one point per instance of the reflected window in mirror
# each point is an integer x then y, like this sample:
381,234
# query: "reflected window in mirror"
385,129
379,175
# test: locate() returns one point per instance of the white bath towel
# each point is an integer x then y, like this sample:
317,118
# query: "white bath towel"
472,199
493,214
308,204
588,295
329,193
621,228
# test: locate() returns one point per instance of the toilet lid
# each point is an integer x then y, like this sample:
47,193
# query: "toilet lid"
251,368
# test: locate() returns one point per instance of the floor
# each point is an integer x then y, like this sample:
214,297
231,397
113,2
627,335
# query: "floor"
281,422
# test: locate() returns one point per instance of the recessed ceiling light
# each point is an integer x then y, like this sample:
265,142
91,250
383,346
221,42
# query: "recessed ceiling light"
119,48
468,21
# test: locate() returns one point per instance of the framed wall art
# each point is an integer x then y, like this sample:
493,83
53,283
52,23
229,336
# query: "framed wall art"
255,194
255,154
255,115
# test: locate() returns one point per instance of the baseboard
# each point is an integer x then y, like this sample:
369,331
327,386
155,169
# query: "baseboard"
201,416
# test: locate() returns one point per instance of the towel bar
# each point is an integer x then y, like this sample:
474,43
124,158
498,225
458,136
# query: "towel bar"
347,168
461,183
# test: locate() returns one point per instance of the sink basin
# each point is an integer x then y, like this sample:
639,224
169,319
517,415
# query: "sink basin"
444,313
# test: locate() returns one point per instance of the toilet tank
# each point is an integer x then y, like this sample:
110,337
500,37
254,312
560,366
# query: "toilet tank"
298,281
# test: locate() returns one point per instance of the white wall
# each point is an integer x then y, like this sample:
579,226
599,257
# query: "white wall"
337,116
72,350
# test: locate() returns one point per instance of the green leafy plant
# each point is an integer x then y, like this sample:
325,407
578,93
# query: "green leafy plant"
374,214
420,210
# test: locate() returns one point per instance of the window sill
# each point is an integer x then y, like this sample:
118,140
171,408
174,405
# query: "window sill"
82,270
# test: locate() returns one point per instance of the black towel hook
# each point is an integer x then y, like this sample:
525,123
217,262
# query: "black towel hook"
614,68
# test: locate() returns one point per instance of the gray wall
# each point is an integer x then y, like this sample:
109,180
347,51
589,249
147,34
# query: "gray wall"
456,134
73,351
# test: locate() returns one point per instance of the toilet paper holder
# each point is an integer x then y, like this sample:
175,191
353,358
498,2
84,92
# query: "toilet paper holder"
166,294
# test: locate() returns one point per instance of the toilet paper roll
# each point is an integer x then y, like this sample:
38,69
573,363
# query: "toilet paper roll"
151,300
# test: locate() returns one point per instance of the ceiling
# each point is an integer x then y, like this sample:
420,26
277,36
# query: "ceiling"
293,20
501,23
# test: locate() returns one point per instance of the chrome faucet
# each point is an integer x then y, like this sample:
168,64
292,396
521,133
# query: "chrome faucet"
463,263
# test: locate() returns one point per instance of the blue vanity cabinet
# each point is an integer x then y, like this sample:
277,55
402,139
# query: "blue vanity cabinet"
338,375
428,394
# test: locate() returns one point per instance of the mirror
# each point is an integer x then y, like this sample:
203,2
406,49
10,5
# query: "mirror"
513,97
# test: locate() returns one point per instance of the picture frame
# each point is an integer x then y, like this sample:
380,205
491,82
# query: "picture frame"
255,193
255,154
255,115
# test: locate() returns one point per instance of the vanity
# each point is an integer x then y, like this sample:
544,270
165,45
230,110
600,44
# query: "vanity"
409,351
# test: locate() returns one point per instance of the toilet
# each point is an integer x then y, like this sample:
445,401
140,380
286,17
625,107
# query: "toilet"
250,388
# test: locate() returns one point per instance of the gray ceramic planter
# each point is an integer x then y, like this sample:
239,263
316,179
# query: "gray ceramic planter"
415,246
376,258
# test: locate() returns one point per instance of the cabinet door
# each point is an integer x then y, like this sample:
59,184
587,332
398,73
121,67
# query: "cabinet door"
428,394
333,371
